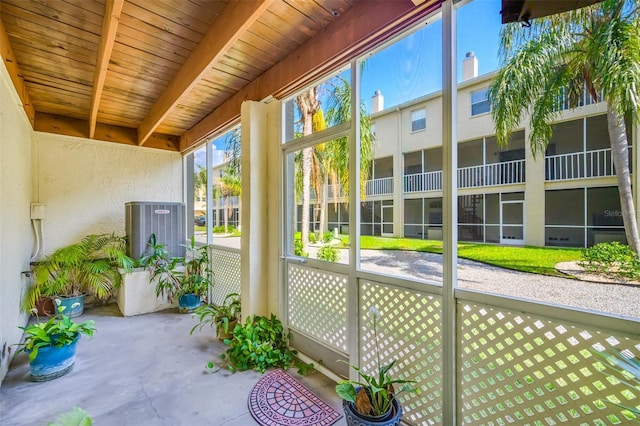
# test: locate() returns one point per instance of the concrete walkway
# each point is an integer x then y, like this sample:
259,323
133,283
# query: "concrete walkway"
615,299
142,370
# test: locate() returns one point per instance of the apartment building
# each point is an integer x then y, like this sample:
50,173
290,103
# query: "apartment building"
567,197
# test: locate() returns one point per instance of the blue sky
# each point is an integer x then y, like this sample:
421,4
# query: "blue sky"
412,67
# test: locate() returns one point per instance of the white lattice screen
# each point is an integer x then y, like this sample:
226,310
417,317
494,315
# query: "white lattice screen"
225,267
409,330
514,368
318,305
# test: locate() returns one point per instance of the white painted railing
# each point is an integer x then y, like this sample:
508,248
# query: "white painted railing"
381,186
491,174
225,270
579,165
419,182
517,362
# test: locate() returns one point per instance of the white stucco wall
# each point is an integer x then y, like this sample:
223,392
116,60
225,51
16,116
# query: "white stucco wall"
15,225
85,184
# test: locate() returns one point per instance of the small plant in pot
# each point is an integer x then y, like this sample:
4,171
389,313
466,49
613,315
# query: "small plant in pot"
51,345
90,267
223,317
373,399
183,279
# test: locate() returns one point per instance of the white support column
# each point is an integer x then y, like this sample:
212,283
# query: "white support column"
354,221
450,210
274,210
534,197
254,270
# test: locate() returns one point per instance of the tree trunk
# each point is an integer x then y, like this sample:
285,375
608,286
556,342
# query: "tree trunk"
308,104
306,195
620,155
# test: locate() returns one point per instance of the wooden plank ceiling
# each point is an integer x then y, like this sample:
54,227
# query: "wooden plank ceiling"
167,73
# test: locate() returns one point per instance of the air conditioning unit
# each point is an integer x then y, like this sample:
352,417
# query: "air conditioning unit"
165,220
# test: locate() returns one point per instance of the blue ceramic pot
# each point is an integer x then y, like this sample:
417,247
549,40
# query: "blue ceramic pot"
188,303
353,418
53,362
74,306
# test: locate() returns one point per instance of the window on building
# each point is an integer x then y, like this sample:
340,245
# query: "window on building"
413,163
480,102
418,119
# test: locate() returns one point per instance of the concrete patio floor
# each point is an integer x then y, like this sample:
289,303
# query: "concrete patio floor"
142,370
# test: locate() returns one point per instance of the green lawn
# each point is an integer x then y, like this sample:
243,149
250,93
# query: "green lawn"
538,260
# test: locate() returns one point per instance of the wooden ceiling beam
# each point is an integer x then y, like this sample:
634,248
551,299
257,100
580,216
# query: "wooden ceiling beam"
9,59
367,23
113,9
62,125
236,18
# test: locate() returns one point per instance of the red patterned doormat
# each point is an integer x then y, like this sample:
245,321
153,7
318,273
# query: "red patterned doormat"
279,399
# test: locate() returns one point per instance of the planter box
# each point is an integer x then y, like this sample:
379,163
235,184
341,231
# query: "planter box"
137,296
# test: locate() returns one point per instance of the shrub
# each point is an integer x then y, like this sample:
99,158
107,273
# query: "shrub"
327,237
297,249
612,259
257,345
221,229
313,237
328,253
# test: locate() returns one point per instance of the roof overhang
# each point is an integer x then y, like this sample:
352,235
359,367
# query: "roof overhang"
525,10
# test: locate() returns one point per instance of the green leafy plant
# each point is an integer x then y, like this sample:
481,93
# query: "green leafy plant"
58,331
230,229
197,274
219,316
375,392
76,417
258,344
88,267
313,237
327,237
613,259
177,276
328,253
298,249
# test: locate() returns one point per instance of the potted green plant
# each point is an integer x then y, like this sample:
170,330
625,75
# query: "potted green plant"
51,345
373,399
223,317
89,267
183,279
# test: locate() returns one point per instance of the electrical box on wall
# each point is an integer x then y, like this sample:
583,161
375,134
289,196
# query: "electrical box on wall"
165,220
37,211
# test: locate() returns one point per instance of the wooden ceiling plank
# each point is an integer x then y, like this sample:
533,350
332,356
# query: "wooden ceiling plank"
9,59
113,9
234,20
57,124
338,43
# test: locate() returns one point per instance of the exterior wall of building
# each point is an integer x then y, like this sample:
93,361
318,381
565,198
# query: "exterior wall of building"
85,184
576,153
16,235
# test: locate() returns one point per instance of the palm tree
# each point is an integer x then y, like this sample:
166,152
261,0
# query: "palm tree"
200,183
308,104
328,163
230,183
597,47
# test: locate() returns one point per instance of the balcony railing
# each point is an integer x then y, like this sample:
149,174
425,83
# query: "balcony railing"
419,182
578,165
491,174
381,186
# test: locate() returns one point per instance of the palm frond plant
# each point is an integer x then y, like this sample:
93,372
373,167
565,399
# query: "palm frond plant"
373,395
593,51
88,267
223,317
177,277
